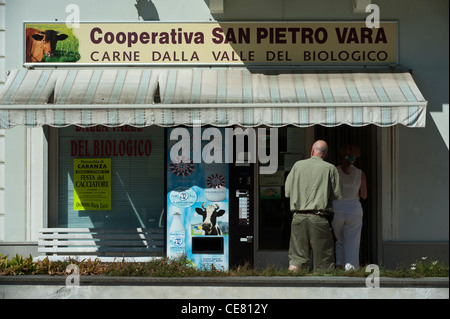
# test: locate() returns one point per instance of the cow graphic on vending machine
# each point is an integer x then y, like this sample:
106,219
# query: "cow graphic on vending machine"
209,223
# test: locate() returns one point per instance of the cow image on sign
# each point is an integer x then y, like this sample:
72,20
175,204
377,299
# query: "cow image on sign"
210,214
41,43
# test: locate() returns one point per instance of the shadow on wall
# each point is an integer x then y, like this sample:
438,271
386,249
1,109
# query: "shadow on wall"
147,10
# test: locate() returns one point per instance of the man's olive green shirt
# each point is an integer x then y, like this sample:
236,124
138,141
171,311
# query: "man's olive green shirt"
313,184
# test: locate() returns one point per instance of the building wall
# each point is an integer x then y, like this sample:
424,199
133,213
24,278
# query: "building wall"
423,169
2,132
417,211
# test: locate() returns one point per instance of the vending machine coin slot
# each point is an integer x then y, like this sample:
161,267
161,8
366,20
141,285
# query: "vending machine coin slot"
207,245
248,239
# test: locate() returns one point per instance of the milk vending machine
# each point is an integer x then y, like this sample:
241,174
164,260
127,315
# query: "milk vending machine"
208,201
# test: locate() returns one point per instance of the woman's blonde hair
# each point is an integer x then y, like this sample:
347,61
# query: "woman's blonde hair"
349,154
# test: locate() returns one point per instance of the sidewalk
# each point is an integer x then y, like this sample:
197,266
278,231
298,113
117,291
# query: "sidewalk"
314,287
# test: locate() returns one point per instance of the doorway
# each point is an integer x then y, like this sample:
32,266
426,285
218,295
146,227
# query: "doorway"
365,138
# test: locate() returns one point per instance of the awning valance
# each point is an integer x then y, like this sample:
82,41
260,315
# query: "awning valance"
220,97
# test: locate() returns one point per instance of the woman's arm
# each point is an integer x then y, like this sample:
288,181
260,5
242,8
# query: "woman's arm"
363,188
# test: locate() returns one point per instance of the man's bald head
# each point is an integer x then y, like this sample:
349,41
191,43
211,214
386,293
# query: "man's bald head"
320,149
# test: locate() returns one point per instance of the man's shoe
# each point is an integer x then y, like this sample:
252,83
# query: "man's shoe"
293,268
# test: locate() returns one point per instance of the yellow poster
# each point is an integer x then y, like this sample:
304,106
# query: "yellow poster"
92,184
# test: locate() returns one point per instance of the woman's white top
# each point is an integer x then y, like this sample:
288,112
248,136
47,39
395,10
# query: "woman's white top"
351,184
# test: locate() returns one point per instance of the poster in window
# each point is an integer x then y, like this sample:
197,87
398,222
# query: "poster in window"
92,183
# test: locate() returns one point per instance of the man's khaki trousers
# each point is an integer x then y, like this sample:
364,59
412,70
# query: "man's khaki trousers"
311,232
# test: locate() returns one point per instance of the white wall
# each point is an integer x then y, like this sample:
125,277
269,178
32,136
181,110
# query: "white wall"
2,132
423,154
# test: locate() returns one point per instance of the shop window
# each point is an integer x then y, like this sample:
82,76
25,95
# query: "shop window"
108,177
274,217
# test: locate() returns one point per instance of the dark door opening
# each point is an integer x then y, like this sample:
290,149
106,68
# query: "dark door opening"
365,138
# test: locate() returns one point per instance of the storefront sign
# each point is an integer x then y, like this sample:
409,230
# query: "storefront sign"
113,147
211,43
92,183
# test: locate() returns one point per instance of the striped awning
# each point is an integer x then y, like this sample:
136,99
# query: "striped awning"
219,97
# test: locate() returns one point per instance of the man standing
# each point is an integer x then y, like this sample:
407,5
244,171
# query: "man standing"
312,185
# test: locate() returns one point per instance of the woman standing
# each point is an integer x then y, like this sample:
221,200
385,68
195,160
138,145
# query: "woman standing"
348,213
